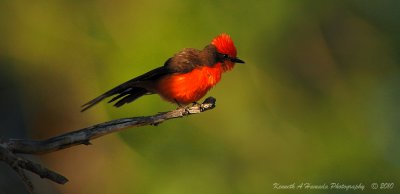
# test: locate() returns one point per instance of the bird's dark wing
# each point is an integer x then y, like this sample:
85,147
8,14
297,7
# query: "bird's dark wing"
130,90
184,61
151,75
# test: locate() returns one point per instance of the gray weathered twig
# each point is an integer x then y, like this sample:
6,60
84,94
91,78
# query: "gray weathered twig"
8,148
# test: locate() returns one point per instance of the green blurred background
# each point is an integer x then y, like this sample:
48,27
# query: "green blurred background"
315,102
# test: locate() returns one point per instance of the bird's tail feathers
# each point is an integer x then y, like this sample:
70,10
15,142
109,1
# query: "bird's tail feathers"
128,94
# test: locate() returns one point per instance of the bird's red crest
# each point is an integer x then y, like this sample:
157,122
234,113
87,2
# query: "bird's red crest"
224,44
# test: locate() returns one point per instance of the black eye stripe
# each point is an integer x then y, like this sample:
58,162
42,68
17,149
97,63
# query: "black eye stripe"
222,57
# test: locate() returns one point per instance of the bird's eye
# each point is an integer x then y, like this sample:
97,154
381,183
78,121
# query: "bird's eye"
225,56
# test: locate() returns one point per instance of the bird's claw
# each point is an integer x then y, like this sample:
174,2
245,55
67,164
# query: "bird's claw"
208,103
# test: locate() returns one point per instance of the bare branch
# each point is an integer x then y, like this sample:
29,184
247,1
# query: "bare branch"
8,148
83,136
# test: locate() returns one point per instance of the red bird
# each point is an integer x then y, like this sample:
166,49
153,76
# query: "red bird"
185,78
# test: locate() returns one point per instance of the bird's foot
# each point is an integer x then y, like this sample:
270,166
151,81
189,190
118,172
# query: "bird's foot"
207,104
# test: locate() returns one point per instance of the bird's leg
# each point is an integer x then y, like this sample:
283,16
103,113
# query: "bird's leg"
179,104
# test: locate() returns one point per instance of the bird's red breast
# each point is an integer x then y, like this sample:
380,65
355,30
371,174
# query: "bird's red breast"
189,87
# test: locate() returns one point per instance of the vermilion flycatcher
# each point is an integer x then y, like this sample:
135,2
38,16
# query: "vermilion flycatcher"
185,78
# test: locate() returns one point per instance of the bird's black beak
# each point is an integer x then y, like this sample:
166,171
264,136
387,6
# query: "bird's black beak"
237,60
